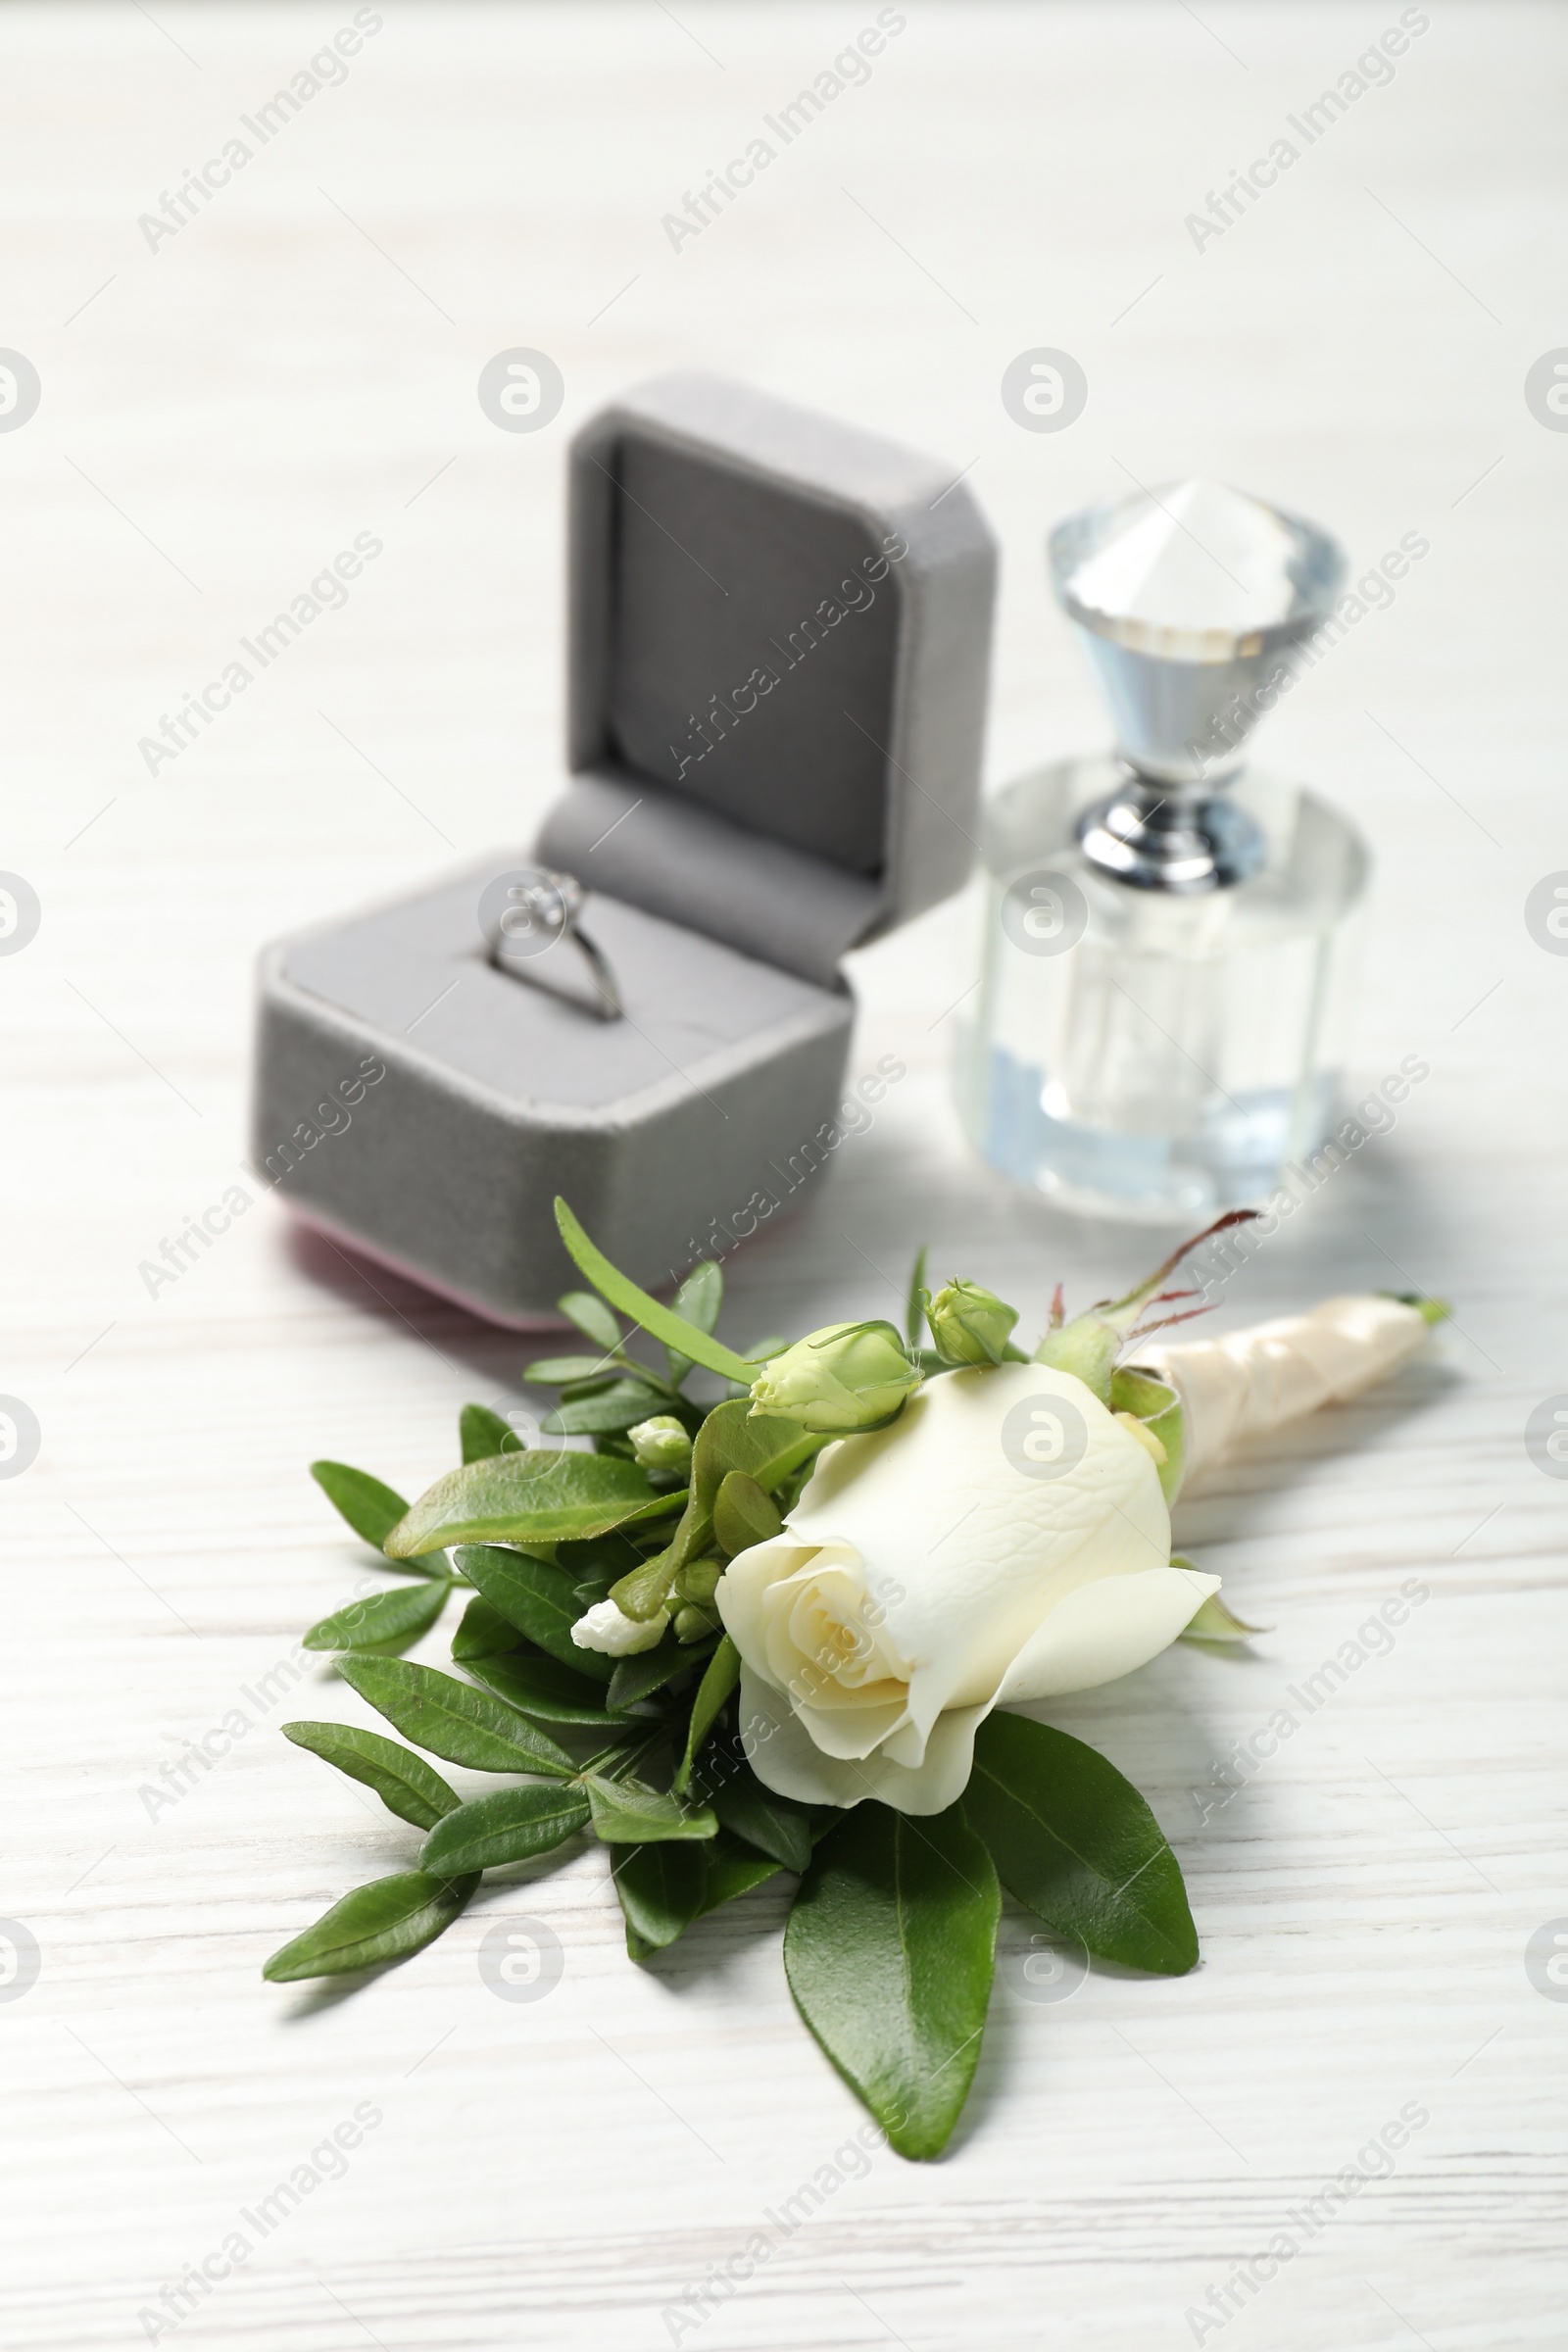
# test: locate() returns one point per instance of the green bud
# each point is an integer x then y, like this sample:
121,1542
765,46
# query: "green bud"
661,1443
1088,1347
846,1377
969,1324
690,1624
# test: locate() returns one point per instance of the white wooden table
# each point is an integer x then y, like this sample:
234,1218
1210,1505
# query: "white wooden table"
222,410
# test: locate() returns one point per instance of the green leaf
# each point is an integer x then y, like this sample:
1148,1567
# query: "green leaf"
548,1692
914,1309
539,1601
403,1780
383,1618
697,1585
1430,1311
533,1497
595,1565
1076,1843
700,1296
592,1317
482,1434
620,1407
453,1720
1157,1406
649,1670
605,1557
1214,1622
743,1513
625,1813
647,1587
775,1823
696,1302
483,1633
662,1891
888,1951
765,1447
560,1371
512,1826
719,1678
660,1322
732,1868
386,1920
370,1510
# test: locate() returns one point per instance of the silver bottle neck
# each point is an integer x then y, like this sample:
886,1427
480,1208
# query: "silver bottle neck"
1153,836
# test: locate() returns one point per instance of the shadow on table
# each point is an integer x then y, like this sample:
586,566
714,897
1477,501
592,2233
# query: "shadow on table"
495,1356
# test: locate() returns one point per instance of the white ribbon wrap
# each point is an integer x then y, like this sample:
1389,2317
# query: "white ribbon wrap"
1248,1384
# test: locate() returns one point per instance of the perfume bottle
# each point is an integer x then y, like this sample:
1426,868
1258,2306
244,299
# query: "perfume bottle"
1170,937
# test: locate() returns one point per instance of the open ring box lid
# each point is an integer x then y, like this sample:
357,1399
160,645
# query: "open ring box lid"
779,635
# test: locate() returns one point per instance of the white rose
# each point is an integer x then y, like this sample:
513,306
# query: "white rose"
1005,1539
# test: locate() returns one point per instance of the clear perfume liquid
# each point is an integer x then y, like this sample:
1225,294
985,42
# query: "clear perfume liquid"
1150,1056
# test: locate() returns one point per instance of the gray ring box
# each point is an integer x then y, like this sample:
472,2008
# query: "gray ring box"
779,637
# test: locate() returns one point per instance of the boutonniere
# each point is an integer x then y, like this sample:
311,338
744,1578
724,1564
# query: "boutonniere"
787,1631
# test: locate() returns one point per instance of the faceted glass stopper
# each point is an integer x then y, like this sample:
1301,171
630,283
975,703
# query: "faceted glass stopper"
1194,602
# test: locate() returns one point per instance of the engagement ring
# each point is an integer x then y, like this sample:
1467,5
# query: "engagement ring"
524,914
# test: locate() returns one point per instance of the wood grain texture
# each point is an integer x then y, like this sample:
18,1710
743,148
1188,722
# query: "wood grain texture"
221,415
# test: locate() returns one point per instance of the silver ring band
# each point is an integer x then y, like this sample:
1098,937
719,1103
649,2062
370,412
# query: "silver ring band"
526,913
605,979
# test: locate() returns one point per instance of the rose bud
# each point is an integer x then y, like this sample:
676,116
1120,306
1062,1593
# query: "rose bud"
661,1443
840,1379
606,1629
969,1324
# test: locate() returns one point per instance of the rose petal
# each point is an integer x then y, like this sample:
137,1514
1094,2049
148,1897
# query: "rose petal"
747,1579
964,1552
1104,1630
848,1732
784,1758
